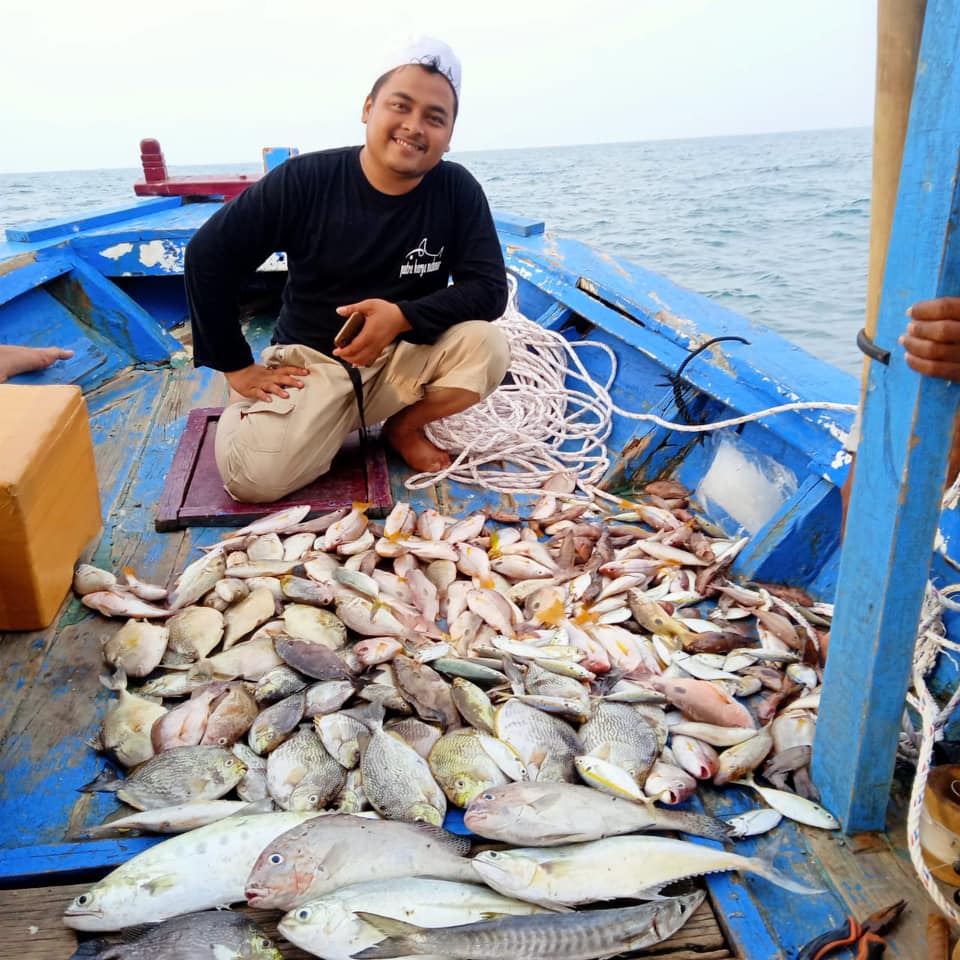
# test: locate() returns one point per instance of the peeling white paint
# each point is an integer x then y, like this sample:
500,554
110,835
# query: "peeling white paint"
835,430
165,254
117,251
842,458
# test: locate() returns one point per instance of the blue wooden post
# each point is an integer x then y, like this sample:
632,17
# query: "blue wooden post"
901,464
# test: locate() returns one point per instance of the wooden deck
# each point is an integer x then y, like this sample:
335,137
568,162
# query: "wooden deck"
30,929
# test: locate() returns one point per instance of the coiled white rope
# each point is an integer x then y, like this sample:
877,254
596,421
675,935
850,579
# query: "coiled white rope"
552,418
930,642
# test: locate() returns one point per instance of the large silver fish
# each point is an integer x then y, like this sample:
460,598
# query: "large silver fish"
572,936
551,814
634,868
216,935
317,857
329,928
164,881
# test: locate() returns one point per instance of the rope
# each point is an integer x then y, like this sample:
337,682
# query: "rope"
930,641
553,417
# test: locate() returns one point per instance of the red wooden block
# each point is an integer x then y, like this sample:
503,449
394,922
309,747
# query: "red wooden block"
194,496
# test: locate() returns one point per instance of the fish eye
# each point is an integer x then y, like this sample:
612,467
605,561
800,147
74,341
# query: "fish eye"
303,914
493,854
313,798
276,858
266,943
82,900
488,796
223,741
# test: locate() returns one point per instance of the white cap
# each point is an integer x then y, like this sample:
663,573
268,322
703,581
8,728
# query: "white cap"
426,51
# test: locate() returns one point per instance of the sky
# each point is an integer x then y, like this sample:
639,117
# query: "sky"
216,80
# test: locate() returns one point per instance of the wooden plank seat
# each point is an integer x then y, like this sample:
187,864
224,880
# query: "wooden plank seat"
193,494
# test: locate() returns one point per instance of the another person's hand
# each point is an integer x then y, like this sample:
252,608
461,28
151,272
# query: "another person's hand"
932,340
258,382
383,323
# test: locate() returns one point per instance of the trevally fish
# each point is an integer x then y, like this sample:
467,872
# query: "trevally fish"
314,858
165,881
550,814
634,868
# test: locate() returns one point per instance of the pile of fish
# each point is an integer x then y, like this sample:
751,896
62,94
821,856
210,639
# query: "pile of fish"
554,677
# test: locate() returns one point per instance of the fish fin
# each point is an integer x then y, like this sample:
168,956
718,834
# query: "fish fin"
174,658
374,718
161,884
763,867
115,681
401,937
130,574
106,781
387,925
132,934
514,674
92,950
200,672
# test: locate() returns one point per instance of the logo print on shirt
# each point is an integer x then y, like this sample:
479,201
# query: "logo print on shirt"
420,260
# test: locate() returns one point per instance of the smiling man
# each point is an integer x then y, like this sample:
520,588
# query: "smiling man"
389,231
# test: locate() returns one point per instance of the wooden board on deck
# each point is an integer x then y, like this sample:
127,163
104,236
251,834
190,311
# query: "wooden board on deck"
40,909
194,495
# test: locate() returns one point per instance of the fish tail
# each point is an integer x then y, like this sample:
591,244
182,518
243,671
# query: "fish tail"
765,868
697,824
90,950
116,681
105,781
374,717
402,939
201,671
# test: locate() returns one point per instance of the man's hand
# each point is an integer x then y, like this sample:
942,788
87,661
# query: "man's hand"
383,322
258,382
932,340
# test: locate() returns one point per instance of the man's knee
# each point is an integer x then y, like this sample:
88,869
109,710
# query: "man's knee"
484,352
246,487
251,474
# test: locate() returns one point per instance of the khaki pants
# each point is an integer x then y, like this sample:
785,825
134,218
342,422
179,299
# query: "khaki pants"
266,450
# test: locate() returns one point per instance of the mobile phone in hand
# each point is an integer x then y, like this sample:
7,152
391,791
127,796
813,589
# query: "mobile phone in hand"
349,330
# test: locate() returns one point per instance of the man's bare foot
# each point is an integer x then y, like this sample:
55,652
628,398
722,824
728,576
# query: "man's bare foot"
15,359
412,444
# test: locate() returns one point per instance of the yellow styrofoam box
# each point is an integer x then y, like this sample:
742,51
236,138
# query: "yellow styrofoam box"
49,502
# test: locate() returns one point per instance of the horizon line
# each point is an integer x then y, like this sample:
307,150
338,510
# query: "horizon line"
474,150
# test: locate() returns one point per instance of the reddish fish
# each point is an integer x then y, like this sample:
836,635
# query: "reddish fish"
704,701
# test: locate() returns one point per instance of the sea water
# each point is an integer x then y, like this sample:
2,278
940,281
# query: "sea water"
772,226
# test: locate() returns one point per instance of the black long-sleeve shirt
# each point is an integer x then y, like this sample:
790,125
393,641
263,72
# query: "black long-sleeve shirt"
345,242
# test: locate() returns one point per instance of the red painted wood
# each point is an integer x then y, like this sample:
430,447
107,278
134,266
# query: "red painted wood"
224,185
194,496
158,183
151,156
178,479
